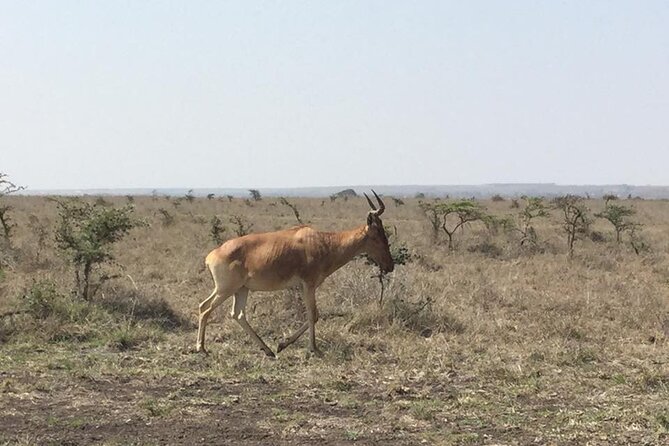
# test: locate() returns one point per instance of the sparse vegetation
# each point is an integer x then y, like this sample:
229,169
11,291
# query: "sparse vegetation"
480,344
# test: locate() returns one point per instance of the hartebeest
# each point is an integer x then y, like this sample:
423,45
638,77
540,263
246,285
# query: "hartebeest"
278,260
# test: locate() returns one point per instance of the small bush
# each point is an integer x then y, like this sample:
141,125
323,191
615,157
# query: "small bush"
488,249
216,230
255,194
400,254
419,316
42,300
59,317
597,237
166,219
86,234
130,336
241,225
6,223
415,315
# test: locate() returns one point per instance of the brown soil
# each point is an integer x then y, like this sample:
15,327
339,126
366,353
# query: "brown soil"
107,412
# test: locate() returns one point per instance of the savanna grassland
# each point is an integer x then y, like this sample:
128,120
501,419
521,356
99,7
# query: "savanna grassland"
490,343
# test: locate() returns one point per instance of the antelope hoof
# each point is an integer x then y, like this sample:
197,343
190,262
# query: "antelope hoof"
270,354
281,346
201,349
316,352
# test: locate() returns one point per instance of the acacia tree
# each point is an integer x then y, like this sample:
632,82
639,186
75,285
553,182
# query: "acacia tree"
534,208
456,214
86,233
433,215
575,218
618,215
255,194
6,187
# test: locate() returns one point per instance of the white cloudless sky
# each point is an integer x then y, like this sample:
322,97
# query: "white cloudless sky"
103,94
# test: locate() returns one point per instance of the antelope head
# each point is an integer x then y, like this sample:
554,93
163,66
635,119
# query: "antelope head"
377,246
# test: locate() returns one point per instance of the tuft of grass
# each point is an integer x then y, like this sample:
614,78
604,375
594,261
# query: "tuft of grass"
131,336
351,435
662,420
425,410
156,408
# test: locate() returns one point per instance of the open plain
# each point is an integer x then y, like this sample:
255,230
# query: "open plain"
489,343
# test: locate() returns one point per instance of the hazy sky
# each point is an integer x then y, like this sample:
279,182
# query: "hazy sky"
321,93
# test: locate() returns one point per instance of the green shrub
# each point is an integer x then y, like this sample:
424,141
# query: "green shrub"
86,234
216,230
42,300
618,216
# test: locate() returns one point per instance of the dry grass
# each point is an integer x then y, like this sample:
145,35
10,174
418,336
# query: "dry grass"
490,344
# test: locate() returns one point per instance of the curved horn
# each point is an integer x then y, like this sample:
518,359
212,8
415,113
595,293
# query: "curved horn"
371,205
382,207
